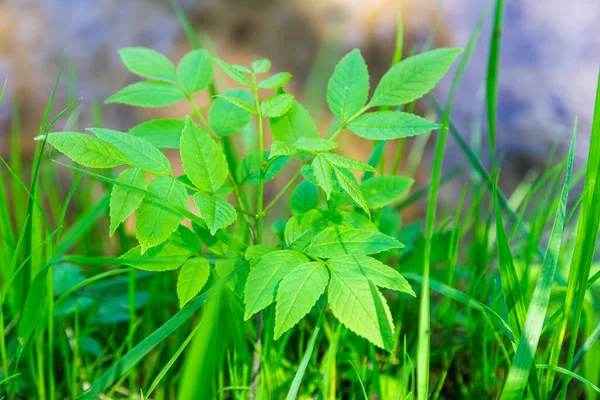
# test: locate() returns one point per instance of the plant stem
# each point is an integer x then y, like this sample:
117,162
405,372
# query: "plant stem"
283,191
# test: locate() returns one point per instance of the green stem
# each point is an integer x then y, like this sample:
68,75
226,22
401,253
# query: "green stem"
283,191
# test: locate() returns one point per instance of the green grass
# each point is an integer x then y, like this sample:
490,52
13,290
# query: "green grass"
506,282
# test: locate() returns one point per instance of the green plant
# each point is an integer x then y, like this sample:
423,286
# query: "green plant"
326,246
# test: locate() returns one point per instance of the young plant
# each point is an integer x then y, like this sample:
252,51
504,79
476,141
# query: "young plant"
327,246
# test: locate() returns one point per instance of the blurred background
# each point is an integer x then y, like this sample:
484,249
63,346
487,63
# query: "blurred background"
549,59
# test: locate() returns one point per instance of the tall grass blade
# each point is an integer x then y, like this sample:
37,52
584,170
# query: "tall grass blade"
423,346
523,360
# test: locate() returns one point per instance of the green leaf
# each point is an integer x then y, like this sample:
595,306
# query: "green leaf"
340,240
261,66
203,159
87,150
225,117
193,276
315,145
298,292
264,277
347,163
413,77
233,72
162,133
356,303
124,200
304,198
350,186
348,87
248,170
147,94
155,222
216,211
300,230
275,81
277,105
281,149
323,172
239,103
376,271
380,191
164,257
141,154
294,124
387,125
195,71
148,63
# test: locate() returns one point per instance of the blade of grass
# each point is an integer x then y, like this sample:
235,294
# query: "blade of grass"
424,330
524,358
569,374
293,392
585,245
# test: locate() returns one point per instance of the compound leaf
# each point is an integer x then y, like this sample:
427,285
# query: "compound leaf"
156,221
148,94
225,117
193,276
148,63
294,124
216,211
141,153
265,276
195,71
413,77
340,240
348,87
124,200
298,292
202,158
387,125
87,150
356,303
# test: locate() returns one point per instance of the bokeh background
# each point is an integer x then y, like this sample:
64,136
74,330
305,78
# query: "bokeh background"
549,58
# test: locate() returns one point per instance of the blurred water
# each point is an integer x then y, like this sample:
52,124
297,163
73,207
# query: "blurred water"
549,60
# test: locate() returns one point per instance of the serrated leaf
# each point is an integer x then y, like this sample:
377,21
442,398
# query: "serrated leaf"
216,211
233,72
264,277
139,152
195,71
294,124
348,87
164,257
155,221
225,266
357,304
300,230
281,149
315,145
147,94
248,170
193,276
387,125
339,240
323,173
376,271
255,252
87,150
261,66
350,186
380,191
277,105
162,133
124,200
298,292
347,163
304,198
239,103
226,118
413,77
148,63
202,158
275,81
